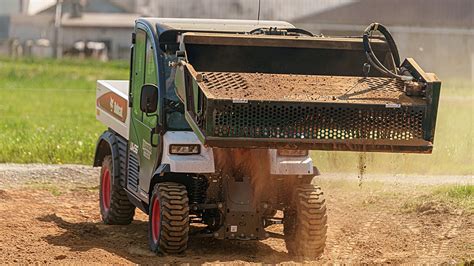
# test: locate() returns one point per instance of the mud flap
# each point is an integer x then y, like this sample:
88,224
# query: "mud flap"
243,218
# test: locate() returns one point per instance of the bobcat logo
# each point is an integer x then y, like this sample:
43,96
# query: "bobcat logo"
116,108
113,105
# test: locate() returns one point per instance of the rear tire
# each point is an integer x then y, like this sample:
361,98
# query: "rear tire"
305,222
115,207
168,219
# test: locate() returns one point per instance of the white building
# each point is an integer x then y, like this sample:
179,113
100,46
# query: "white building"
439,35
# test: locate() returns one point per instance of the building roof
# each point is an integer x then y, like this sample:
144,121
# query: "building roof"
92,6
415,13
103,20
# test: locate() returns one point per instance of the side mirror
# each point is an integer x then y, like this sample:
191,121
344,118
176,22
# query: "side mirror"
149,98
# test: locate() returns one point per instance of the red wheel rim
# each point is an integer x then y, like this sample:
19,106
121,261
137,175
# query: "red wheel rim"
155,220
106,189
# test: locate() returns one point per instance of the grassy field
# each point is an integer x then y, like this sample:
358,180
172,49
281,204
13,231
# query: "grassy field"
442,197
47,116
47,112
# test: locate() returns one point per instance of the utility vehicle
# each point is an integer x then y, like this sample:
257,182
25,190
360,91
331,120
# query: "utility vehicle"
210,135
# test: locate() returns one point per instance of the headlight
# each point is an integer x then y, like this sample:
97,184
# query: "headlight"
185,149
293,153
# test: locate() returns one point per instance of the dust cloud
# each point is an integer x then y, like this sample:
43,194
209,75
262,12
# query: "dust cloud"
252,163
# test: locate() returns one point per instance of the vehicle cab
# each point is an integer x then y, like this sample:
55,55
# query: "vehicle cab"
158,133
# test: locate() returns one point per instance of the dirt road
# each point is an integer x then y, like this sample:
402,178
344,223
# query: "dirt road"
50,215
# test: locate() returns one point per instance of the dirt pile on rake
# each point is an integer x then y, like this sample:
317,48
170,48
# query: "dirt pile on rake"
290,87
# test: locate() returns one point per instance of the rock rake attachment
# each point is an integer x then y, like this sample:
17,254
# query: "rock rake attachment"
303,93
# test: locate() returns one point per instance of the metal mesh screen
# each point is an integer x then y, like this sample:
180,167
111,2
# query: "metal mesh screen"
293,121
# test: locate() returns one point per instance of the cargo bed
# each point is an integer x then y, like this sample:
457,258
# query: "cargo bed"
112,105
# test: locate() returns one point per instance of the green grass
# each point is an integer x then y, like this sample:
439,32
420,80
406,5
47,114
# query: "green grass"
443,198
52,75
47,115
47,112
457,192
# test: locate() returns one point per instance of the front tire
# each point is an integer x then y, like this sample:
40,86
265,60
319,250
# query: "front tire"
115,207
168,219
305,222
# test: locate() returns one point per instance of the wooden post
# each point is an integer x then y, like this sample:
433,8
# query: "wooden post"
57,30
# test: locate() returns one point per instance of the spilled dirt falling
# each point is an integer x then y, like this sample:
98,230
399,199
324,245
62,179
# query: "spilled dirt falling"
362,167
252,163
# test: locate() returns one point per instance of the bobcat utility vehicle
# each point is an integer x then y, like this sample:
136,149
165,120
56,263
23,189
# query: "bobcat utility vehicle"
210,135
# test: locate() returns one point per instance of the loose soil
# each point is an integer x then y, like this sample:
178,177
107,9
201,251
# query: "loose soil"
287,87
50,214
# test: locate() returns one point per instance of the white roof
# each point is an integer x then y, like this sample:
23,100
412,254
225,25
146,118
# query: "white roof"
230,25
118,20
